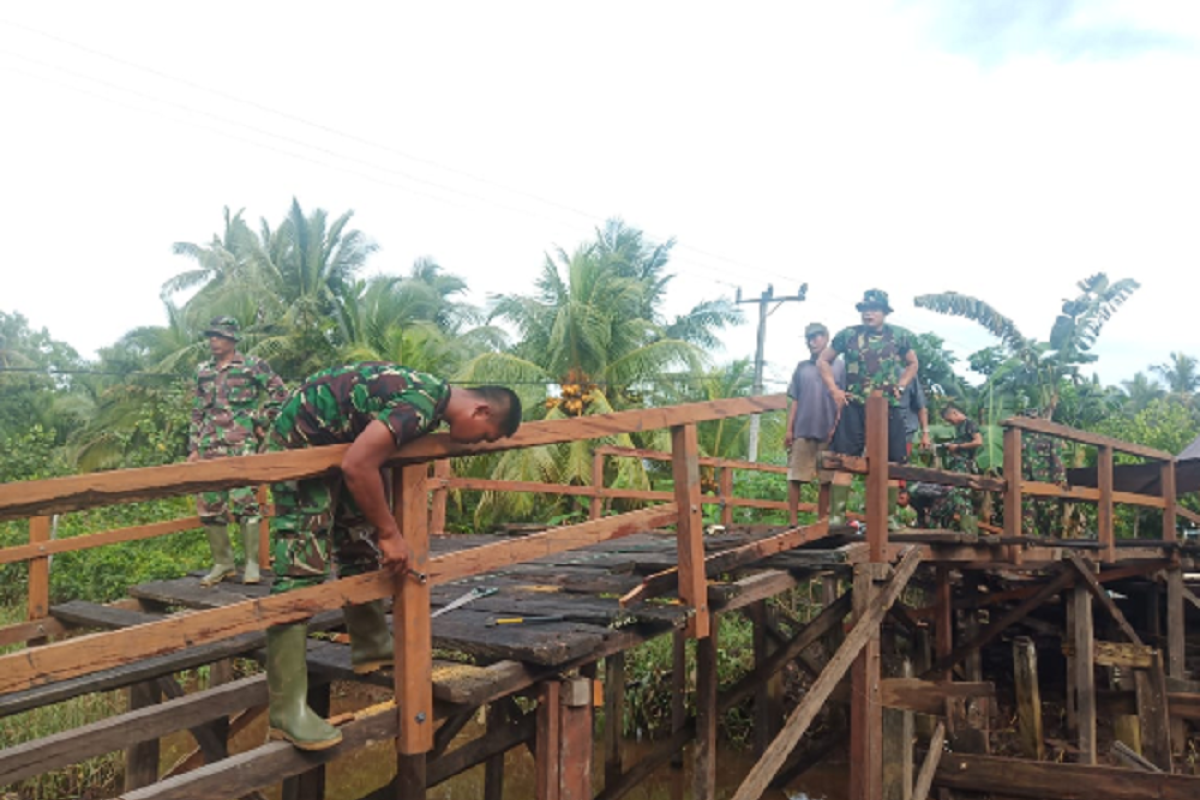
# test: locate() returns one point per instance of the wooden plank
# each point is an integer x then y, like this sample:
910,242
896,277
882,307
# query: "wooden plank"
38,602
74,492
493,772
1091,583
575,727
410,615
1053,490
726,560
725,490
1167,481
768,695
1153,715
761,773
1176,645
1029,699
929,697
614,717
22,632
877,477
548,742
1132,499
679,677
704,755
141,757
1085,437
1055,781
1116,654
1104,507
685,470
897,734
705,461
943,624
906,472
866,707
929,767
1085,674
596,510
48,547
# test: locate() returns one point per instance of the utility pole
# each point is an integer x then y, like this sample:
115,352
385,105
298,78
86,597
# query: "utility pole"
763,301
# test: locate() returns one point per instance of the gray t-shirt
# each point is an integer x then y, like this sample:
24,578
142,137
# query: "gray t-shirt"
912,401
816,413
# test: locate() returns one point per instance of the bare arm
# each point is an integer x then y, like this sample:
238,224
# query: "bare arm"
910,370
791,424
825,365
361,470
923,419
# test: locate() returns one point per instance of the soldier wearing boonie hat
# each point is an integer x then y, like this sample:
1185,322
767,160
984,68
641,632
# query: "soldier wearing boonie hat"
811,417
234,399
880,357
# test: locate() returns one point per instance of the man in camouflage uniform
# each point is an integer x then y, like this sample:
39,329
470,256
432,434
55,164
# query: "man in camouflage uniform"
954,509
236,396
374,407
878,356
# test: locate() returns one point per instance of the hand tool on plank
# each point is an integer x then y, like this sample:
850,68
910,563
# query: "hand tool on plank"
474,594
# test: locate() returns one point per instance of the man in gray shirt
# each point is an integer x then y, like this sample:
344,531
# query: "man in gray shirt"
812,416
916,414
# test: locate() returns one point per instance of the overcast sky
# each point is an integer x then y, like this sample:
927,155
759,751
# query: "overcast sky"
999,148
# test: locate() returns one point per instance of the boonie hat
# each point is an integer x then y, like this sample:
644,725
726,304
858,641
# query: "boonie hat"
874,298
226,327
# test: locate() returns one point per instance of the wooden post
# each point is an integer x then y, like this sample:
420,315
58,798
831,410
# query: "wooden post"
493,770
38,606
414,639
614,714
1085,683
704,765
866,707
1012,490
442,471
1167,479
596,511
1176,642
726,488
1029,698
264,528
823,500
678,690
944,629
575,727
877,477
898,732
141,759
693,584
1104,508
1153,720
548,742
932,758
970,626
768,694
793,502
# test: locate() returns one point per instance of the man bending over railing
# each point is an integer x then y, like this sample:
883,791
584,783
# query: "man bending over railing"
375,407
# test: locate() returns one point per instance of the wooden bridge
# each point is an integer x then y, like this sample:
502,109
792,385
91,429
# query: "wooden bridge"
922,608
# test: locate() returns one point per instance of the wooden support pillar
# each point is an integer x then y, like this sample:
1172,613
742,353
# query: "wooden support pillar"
944,627
693,584
877,477
614,715
970,626
1072,716
704,766
1153,721
1104,508
768,694
823,500
898,733
141,759
793,502
866,706
38,605
679,715
1085,679
413,635
596,511
493,770
548,742
1012,490
576,714
442,471
1029,699
725,487
1167,478
1176,642
264,528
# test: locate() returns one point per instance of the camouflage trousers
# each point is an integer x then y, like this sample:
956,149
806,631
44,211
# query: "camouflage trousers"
947,511
229,505
317,530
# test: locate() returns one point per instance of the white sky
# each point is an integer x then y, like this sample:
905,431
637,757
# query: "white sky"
998,148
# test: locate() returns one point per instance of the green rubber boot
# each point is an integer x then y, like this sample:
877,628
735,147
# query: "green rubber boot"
838,496
894,523
371,646
287,685
218,542
250,545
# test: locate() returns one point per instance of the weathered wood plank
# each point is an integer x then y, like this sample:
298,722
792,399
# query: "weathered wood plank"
929,766
1085,674
1085,437
39,570
877,478
136,533
1104,506
704,755
906,472
1055,781
1029,698
693,582
929,697
413,639
1153,715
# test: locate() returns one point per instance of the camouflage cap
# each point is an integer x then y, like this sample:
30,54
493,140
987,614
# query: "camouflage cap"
874,299
224,326
815,328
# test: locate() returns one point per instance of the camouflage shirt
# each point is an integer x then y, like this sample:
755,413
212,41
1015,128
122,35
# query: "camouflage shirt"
334,406
873,360
229,401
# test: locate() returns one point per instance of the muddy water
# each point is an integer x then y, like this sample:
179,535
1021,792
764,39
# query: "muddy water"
360,772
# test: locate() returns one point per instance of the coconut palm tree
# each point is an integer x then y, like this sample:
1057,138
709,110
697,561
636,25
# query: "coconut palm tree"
1140,391
1181,374
221,266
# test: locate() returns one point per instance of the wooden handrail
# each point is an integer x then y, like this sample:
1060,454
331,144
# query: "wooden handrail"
1084,437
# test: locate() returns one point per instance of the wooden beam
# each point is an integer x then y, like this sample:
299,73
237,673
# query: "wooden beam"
877,477
705,461
48,547
932,758
704,755
575,751
1052,490
1154,719
38,605
410,614
905,472
493,772
72,493
1029,699
1084,437
1085,674
929,697
1047,780
546,761
1104,507
1093,585
141,757
1013,510
725,489
442,471
614,717
1176,644
866,707
689,530
649,763
761,773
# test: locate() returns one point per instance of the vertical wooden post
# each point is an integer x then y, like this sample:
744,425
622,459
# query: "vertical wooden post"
768,695
1153,720
442,471
693,585
493,770
1167,479
877,477
970,626
1085,682
944,628
548,742
793,503
898,732
38,606
678,689
596,511
1176,642
1104,508
823,500
575,727
141,759
726,489
704,776
264,528
414,639
1072,721
614,715
866,706
1012,491
1029,698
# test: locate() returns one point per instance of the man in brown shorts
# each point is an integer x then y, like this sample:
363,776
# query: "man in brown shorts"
812,416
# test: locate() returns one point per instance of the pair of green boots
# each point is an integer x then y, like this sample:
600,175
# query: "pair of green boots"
839,494
291,719
222,551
